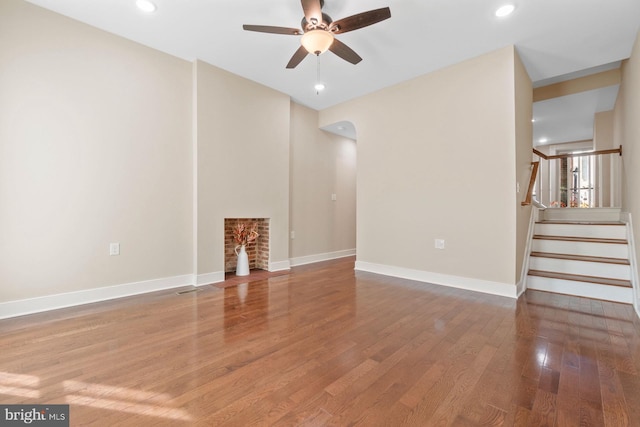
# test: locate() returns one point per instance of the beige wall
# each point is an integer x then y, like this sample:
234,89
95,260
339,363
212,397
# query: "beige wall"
243,161
437,160
322,164
627,134
603,130
602,140
95,135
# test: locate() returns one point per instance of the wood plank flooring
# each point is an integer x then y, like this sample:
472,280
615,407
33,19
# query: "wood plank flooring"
325,345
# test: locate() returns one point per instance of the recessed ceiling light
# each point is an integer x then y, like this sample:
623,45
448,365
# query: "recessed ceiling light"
542,140
505,10
319,86
146,6
533,120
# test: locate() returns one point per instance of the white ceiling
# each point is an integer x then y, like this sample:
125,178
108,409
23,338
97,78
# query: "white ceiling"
570,118
553,37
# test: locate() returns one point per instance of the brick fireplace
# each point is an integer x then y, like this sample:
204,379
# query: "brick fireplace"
258,251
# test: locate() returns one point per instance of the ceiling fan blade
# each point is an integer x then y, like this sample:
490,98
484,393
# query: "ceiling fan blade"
344,52
297,57
312,11
272,30
360,20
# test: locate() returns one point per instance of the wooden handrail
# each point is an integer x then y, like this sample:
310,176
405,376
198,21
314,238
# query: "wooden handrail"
532,182
540,154
534,172
588,153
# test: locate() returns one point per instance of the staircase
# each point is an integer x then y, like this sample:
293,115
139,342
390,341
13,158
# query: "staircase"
581,252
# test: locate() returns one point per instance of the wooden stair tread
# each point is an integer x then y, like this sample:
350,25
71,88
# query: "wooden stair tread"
580,239
586,258
580,278
568,222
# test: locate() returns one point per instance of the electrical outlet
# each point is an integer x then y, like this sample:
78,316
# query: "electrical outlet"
293,234
114,249
517,187
334,197
439,243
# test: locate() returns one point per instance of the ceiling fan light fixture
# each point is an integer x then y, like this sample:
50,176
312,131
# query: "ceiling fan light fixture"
319,87
317,41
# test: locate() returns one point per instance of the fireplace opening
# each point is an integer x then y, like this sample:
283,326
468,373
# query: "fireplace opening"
258,251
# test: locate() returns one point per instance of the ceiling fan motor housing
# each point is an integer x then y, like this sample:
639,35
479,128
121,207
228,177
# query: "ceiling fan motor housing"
324,25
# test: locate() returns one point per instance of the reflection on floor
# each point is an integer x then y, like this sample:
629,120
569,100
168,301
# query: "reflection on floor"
230,279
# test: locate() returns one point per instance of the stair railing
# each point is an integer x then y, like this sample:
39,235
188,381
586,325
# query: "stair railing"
532,182
577,180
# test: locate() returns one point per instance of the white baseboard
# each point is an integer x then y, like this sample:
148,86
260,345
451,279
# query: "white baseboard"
309,259
209,278
279,265
70,299
477,285
521,287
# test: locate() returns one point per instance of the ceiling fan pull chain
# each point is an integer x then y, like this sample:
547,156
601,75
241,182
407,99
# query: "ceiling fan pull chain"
318,75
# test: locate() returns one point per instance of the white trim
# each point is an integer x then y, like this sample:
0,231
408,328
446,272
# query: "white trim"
209,278
279,265
194,160
522,284
310,259
521,287
477,285
633,261
581,289
70,299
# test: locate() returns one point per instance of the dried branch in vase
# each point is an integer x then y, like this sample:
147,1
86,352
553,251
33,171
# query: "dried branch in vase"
243,235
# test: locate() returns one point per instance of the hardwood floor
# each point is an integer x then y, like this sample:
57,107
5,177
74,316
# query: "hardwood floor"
325,345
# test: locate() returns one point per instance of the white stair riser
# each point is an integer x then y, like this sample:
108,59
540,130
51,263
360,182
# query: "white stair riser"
610,250
582,230
584,268
577,214
582,289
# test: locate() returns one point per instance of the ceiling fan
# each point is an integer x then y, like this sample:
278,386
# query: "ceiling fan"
318,30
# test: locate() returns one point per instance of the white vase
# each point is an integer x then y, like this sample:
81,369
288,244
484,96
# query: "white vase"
242,268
